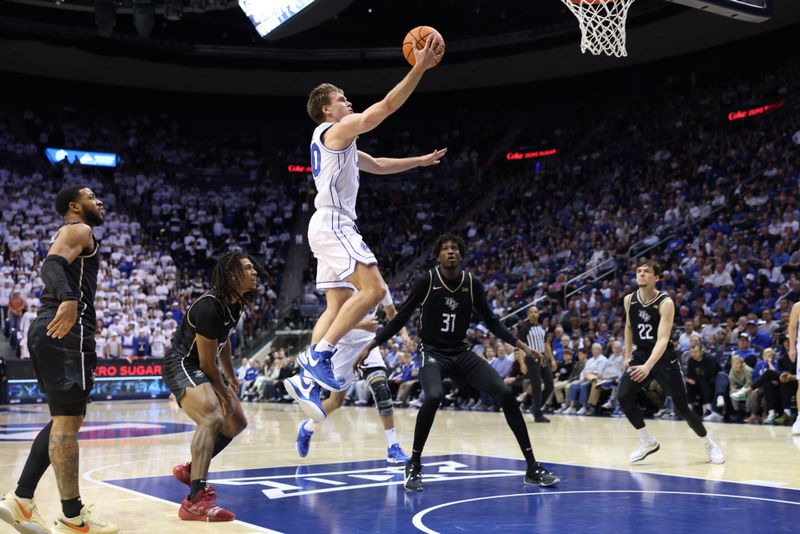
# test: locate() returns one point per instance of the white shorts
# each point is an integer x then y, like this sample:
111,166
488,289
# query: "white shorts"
346,355
338,247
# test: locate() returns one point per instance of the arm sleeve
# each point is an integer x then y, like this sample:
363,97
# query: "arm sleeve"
206,318
418,293
54,275
482,307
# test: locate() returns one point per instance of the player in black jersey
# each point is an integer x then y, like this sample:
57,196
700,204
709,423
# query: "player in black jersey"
62,349
448,296
191,370
649,315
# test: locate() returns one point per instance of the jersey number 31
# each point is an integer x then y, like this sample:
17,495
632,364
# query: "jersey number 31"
448,322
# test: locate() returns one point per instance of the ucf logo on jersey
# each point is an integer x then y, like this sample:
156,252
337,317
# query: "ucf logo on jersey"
451,303
644,316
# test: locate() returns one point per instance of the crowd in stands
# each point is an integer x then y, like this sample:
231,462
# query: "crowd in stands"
173,205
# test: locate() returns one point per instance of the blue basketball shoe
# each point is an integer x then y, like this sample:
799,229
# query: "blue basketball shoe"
303,441
395,455
318,366
306,393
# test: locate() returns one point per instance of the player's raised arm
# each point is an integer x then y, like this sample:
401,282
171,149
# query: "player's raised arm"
373,165
343,132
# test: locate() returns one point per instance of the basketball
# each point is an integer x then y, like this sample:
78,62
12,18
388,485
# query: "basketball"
417,37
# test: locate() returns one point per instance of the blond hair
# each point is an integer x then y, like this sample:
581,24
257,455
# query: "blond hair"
319,98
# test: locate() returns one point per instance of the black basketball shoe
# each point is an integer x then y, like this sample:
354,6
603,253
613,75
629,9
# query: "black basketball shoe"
537,475
413,478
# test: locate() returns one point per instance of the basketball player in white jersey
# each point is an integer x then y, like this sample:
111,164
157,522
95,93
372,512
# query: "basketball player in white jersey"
794,348
306,391
344,261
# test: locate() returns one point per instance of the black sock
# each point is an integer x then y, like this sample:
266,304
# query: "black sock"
220,442
528,454
37,463
416,457
72,507
197,485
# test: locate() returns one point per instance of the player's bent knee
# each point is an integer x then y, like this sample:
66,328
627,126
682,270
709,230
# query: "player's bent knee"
382,396
375,293
213,419
505,395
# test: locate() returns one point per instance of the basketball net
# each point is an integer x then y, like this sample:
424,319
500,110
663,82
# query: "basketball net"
602,24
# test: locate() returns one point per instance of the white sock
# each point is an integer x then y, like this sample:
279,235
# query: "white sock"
706,407
771,413
310,426
645,436
391,436
787,411
324,346
707,440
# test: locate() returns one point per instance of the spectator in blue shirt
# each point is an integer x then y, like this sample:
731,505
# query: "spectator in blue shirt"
744,351
758,340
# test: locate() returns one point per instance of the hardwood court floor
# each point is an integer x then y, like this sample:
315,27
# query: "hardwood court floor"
756,455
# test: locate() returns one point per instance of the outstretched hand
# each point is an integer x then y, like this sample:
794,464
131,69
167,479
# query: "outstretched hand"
432,158
429,55
361,358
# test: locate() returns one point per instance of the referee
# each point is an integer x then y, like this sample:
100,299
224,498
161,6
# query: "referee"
448,296
534,334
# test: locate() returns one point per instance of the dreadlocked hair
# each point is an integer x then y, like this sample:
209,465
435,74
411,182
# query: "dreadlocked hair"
228,275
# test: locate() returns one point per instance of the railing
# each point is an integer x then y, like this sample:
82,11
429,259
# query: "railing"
598,272
522,308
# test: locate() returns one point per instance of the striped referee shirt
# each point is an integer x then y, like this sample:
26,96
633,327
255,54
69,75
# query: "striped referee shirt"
533,334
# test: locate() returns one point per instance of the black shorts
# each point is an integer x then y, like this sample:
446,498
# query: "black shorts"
667,372
180,373
461,367
64,367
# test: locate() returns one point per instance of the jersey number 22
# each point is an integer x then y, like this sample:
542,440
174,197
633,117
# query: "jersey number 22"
645,331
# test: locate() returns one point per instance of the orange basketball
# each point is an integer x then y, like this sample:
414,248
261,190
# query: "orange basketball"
417,37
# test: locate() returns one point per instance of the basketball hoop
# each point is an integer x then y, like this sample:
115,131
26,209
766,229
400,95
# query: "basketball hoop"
602,24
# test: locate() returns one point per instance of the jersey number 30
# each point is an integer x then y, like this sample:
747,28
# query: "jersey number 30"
448,322
645,331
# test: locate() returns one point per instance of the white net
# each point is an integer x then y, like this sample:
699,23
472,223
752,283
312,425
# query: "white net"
602,24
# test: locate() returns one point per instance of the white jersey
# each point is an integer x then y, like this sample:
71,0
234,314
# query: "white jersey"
362,337
335,174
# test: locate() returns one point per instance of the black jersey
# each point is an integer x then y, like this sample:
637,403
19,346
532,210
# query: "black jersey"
82,276
447,307
644,320
209,317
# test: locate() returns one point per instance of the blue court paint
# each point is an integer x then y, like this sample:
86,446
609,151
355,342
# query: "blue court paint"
97,430
466,493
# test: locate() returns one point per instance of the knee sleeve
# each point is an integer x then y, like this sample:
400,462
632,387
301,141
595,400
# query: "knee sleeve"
376,378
